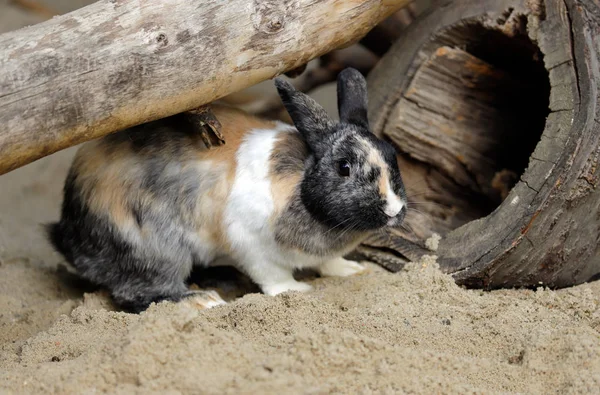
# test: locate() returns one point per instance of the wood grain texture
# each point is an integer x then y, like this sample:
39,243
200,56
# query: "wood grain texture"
119,63
453,116
547,230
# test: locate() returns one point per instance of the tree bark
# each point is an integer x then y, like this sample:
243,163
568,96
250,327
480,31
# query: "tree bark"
115,63
547,229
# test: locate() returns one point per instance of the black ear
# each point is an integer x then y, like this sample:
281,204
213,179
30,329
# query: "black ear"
352,97
311,120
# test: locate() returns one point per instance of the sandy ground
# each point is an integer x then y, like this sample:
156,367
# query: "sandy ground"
415,331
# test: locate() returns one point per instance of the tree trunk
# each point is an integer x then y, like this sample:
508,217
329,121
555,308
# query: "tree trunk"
493,106
115,64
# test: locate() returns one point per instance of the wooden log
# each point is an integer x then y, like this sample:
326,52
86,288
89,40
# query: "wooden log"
547,229
115,64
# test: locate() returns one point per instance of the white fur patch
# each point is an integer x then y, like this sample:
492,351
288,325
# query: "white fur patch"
250,202
340,267
247,218
393,204
279,288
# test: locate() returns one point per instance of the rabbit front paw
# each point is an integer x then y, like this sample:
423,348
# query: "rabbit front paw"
203,299
340,267
293,285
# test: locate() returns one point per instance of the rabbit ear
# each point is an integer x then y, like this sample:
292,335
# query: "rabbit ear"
311,120
352,97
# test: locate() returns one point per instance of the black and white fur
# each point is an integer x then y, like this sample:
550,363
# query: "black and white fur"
143,206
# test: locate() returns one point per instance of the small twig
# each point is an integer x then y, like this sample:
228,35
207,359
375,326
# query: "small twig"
204,122
35,7
296,72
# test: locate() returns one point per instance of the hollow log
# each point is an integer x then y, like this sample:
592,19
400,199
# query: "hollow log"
115,63
493,107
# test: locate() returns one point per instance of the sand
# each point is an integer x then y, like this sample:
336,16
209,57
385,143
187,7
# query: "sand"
414,331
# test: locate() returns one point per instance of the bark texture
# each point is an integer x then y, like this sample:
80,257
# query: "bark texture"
116,63
462,96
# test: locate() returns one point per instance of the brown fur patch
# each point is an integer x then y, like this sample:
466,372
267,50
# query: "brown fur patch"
283,190
101,180
110,172
286,169
211,208
384,182
375,160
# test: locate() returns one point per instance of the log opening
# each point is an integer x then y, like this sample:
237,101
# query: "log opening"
468,122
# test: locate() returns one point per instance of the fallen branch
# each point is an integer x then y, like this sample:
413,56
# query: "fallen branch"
115,63
269,105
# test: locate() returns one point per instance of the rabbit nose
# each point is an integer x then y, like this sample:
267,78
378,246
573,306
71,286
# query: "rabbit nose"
393,205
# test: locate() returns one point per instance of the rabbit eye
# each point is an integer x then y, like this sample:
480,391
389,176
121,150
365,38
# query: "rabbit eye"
344,168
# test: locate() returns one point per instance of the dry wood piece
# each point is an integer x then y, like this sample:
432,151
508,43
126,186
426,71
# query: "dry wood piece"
296,72
35,7
524,102
325,70
115,63
332,63
381,37
203,121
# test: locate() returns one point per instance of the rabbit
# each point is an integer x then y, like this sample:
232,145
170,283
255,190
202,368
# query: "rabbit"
144,205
